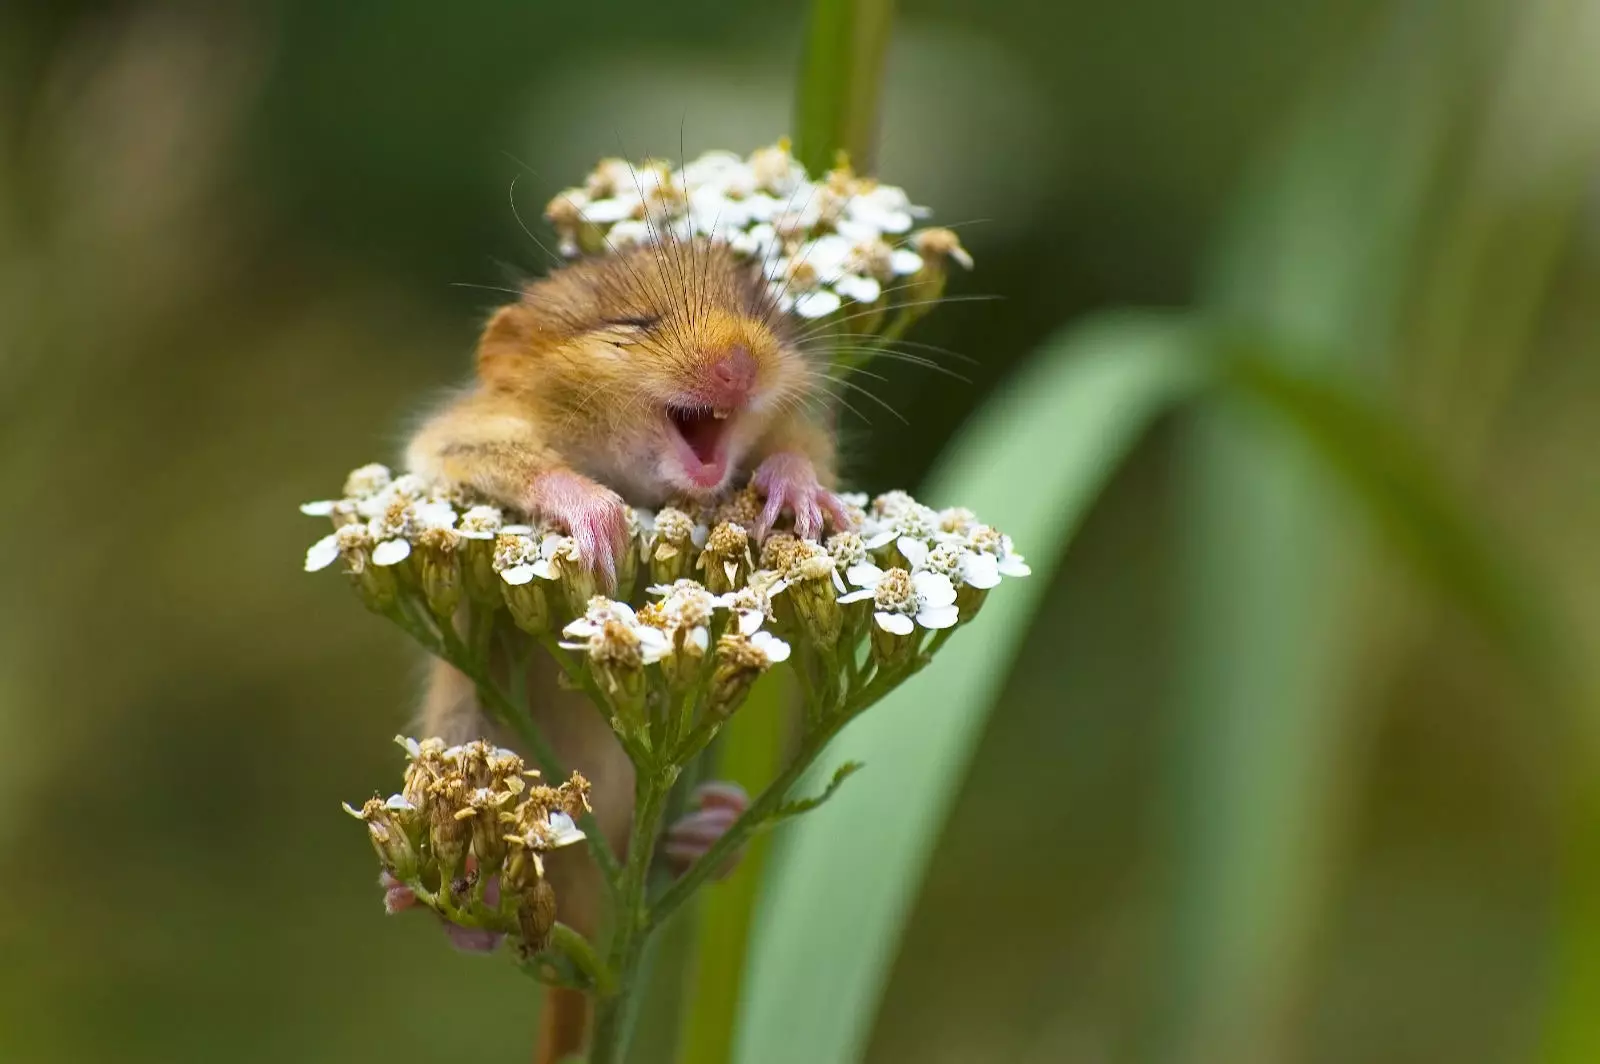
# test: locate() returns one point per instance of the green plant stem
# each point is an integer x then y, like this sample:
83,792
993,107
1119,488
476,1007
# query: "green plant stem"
767,804
613,1010
841,76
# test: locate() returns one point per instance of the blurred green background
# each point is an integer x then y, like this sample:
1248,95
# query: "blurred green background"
1261,788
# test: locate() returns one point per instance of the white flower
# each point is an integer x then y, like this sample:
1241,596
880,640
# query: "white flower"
367,480
751,605
882,209
910,522
481,522
518,559
952,557
589,631
687,606
985,540
902,601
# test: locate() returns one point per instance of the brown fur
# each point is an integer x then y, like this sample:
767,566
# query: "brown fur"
576,376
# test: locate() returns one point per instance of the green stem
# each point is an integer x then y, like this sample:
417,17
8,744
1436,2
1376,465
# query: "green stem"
613,1010
841,78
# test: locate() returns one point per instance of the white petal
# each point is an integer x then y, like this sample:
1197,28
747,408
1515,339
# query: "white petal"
398,801
905,261
750,621
938,616
732,569
391,551
857,596
543,569
860,289
517,575
897,623
605,211
700,637
980,570
563,832
411,746
818,304
934,589
915,551
582,628
864,574
880,539
322,553
775,649
699,534
317,509
566,644
1013,565
838,581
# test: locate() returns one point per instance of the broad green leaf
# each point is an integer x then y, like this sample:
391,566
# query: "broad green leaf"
845,876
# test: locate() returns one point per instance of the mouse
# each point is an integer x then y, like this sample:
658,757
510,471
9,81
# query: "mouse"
663,372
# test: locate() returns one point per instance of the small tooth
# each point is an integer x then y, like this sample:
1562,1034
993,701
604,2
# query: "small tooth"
720,415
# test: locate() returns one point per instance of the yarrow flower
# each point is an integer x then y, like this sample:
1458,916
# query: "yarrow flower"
839,239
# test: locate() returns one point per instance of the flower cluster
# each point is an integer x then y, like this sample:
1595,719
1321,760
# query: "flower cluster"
467,834
824,244
715,611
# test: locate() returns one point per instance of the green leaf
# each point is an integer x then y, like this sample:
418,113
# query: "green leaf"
1032,462
805,805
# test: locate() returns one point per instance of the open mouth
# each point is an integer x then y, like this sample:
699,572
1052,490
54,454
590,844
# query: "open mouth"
702,433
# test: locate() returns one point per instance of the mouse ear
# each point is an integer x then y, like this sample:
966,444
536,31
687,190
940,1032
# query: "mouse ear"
506,341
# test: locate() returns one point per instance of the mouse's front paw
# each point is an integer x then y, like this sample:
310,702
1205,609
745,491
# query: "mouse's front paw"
593,515
789,481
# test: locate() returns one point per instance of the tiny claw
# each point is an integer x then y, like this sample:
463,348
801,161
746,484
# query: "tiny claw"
790,483
716,806
593,515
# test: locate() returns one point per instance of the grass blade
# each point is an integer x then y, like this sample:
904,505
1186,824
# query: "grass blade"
845,876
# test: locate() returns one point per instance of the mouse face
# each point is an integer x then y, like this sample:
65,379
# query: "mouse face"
656,370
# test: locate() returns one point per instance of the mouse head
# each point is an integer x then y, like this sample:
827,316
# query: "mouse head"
655,369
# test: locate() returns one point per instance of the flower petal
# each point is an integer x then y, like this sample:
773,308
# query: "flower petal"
563,832
914,550
934,589
317,509
856,596
518,575
897,623
938,616
980,570
818,304
864,574
391,552
323,553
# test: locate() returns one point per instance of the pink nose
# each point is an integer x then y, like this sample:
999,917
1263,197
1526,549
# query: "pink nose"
731,377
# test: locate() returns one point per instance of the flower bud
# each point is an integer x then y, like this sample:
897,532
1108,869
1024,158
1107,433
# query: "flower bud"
937,246
437,549
672,546
726,560
374,584
572,574
811,592
740,660
449,834
479,529
392,829
536,915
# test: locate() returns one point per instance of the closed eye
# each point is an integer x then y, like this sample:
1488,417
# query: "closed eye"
640,321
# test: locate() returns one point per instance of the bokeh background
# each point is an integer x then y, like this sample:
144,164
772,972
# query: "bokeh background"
1262,788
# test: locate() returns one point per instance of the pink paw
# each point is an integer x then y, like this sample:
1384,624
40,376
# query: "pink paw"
398,898
716,806
593,515
790,483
